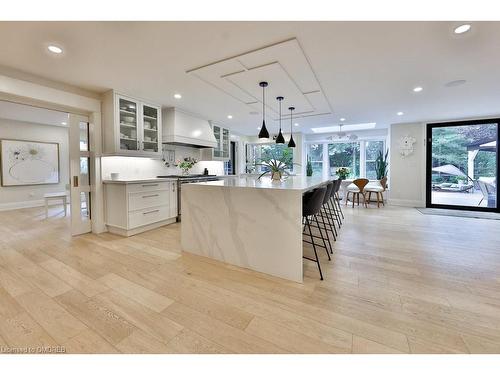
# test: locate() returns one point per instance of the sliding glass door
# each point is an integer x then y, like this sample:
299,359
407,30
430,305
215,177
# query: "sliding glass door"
462,165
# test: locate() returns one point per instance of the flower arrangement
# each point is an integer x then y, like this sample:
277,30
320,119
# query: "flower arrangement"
343,172
186,164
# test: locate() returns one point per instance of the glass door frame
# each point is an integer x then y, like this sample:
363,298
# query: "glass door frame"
428,163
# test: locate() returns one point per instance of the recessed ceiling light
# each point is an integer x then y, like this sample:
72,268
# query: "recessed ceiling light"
296,124
342,119
177,96
229,117
400,113
417,89
462,28
55,49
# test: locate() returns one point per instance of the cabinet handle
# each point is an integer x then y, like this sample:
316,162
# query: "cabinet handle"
173,186
150,196
150,212
146,185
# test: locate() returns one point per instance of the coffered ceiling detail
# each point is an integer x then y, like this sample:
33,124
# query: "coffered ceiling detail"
284,65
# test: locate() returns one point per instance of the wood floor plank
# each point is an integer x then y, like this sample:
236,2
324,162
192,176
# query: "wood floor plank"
74,278
140,342
89,342
110,325
149,321
398,282
190,342
222,334
60,324
138,293
22,331
360,345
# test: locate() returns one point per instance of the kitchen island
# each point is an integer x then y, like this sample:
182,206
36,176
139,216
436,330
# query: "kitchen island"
256,224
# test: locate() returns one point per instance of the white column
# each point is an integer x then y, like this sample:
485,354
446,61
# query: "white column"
326,161
471,155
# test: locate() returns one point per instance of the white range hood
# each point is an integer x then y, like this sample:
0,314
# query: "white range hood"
185,129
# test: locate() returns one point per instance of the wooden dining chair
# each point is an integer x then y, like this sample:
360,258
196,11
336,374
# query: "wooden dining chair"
377,190
357,188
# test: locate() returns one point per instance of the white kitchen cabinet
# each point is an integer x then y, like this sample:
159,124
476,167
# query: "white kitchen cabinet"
135,207
131,127
221,151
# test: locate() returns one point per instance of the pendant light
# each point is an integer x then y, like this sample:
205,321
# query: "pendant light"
280,138
291,143
263,130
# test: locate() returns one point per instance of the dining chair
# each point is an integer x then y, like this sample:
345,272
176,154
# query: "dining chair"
377,190
356,189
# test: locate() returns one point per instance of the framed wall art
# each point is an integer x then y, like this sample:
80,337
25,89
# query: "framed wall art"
29,162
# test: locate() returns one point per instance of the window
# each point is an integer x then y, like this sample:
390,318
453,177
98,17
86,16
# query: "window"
315,156
259,152
372,151
347,154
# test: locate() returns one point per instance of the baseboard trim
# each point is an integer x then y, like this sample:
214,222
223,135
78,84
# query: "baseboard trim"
405,203
27,204
132,232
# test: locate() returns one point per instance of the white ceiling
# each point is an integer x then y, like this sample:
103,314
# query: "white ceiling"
26,113
366,70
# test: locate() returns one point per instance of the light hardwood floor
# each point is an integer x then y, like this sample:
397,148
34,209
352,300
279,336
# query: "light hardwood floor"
399,282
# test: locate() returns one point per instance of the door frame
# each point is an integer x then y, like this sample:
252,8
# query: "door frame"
428,164
49,95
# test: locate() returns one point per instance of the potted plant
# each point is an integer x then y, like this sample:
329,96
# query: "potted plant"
277,165
309,167
343,173
381,165
186,164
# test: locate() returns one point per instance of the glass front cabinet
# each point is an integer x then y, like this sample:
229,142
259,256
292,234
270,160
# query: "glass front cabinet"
131,126
221,151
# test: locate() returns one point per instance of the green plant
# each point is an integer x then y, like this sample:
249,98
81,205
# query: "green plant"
186,164
309,167
343,172
381,164
276,164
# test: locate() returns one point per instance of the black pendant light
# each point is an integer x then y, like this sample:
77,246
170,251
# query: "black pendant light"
291,143
280,138
263,131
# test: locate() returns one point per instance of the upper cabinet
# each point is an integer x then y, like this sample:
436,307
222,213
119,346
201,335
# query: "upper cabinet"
131,126
221,150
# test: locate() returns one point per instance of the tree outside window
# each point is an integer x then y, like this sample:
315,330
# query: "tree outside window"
315,155
344,155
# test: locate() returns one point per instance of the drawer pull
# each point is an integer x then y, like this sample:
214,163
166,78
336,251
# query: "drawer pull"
151,196
150,212
146,185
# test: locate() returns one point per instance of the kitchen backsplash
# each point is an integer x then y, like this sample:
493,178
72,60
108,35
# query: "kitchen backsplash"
132,167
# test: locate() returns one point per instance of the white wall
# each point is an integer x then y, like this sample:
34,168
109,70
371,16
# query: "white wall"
407,175
131,167
12,197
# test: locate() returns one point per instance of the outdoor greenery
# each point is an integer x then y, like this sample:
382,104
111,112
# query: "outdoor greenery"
258,155
315,156
309,168
381,164
344,155
449,146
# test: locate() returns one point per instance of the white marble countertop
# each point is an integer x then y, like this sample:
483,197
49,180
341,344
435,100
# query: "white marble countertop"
138,180
300,183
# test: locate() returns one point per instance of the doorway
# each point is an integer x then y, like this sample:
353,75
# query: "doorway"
47,162
463,165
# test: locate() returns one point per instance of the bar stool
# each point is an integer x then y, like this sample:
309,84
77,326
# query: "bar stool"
311,206
336,200
325,213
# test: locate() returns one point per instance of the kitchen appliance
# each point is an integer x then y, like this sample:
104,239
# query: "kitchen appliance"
181,180
186,129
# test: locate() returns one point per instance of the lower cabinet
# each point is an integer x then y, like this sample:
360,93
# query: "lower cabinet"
133,208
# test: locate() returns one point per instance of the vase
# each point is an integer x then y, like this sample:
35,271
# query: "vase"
185,172
276,176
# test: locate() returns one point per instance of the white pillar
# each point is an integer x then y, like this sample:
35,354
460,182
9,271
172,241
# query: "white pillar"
471,155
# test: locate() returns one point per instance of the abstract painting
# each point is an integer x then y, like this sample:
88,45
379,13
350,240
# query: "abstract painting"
29,162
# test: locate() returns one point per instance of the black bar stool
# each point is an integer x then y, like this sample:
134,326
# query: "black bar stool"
336,200
311,206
